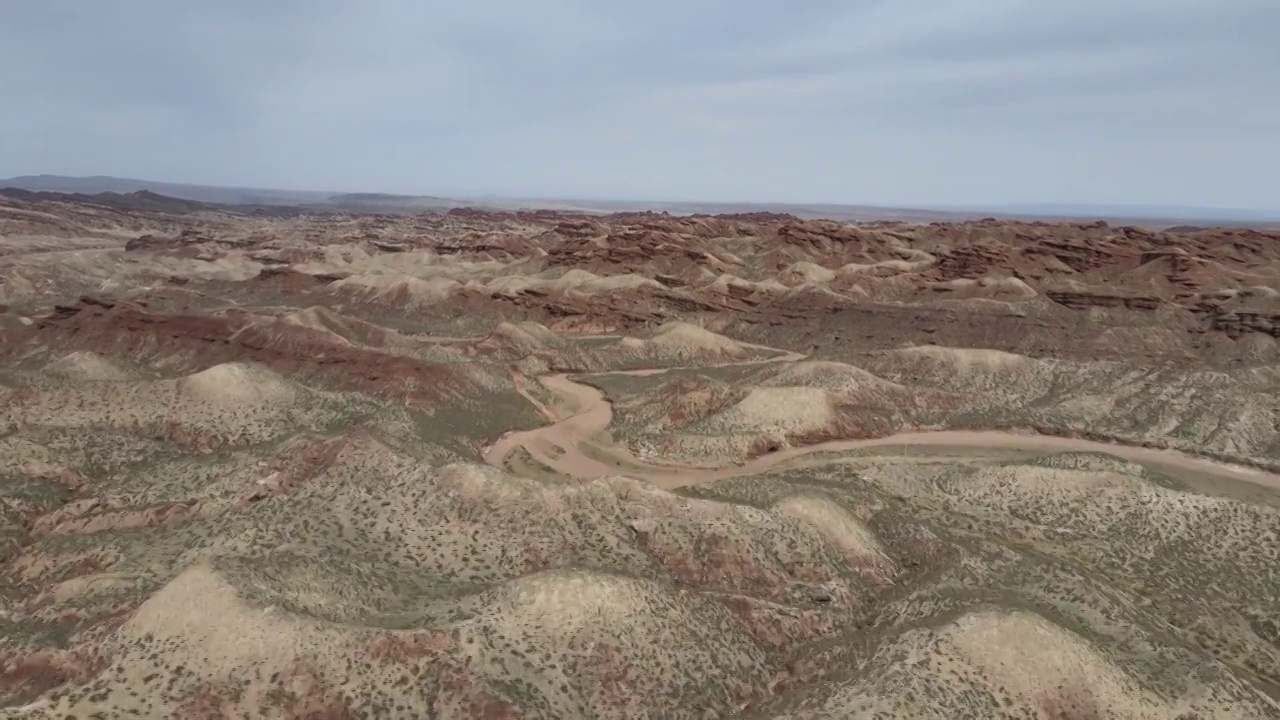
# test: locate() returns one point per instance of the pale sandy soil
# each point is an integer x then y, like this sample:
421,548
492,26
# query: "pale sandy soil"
559,445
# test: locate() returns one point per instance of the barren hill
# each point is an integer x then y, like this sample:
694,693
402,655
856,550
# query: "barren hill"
542,464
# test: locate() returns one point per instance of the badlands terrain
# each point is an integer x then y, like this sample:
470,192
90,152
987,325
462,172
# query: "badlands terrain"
542,465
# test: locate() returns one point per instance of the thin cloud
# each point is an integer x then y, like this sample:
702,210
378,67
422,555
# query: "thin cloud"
902,102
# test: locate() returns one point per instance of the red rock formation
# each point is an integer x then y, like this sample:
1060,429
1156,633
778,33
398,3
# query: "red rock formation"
203,340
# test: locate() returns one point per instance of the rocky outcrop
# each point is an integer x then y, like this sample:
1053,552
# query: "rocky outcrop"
973,261
184,240
1235,324
629,251
1079,300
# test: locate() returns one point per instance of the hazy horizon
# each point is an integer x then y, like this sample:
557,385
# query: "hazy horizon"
240,195
1045,209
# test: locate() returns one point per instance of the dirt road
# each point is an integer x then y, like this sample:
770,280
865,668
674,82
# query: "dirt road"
577,445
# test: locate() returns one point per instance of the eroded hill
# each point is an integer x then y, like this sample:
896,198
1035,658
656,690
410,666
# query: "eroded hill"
539,465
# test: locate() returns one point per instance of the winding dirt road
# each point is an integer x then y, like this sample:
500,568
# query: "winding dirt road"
577,444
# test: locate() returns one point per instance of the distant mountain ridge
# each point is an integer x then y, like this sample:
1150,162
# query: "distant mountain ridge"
251,198
96,184
142,200
1175,212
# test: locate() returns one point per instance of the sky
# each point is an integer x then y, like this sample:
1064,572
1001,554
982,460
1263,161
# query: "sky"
880,102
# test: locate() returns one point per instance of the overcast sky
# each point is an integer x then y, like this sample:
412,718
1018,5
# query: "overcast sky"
907,102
